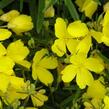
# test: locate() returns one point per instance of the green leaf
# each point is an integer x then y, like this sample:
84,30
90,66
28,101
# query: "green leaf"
5,3
40,17
71,7
32,6
21,5
105,59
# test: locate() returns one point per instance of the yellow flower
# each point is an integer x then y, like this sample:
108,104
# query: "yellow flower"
4,34
21,23
9,15
102,36
81,67
106,102
18,52
87,6
66,40
41,64
96,90
12,94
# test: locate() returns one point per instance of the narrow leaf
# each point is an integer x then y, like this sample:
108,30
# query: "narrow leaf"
5,3
71,7
40,17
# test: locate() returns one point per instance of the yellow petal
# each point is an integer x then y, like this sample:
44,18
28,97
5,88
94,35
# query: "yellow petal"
71,45
105,40
9,15
106,18
41,96
4,80
60,28
41,72
59,47
84,46
34,71
89,7
77,29
106,30
2,50
97,35
25,63
17,51
96,90
39,55
83,78
16,82
21,23
4,34
106,102
69,73
94,65
49,62
78,59
6,65
36,101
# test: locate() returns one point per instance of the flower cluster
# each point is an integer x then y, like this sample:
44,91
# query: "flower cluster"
30,75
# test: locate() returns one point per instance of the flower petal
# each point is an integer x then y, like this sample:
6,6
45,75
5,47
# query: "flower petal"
83,78
59,47
6,65
60,28
17,51
39,55
2,50
4,80
48,62
74,31
94,65
69,73
89,7
84,46
71,45
43,75
96,35
4,34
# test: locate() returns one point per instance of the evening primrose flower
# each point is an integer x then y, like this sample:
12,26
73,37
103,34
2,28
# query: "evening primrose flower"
102,36
96,92
41,64
9,15
81,67
4,34
18,52
87,6
8,80
67,39
20,24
